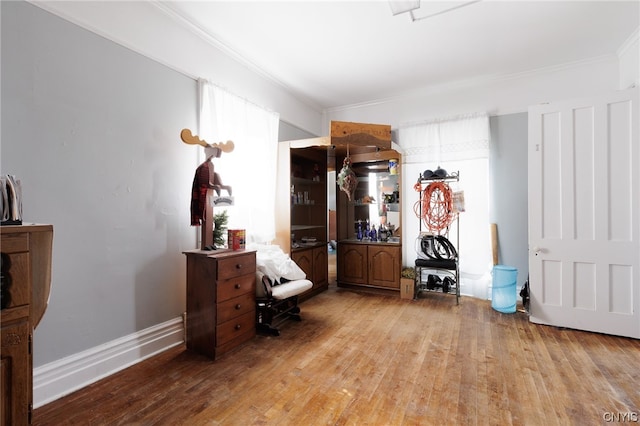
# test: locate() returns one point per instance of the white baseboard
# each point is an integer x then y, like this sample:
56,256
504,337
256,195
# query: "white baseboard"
62,377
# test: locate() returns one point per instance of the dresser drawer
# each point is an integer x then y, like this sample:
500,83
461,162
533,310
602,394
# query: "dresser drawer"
235,307
236,327
234,287
236,266
15,243
15,272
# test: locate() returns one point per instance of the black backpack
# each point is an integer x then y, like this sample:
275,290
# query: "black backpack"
524,293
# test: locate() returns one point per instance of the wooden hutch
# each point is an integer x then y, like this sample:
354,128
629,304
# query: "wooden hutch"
302,215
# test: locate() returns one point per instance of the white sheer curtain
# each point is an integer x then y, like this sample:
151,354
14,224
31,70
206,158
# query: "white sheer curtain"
250,168
457,144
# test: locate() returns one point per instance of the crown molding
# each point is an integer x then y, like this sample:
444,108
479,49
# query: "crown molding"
628,43
62,12
232,53
473,82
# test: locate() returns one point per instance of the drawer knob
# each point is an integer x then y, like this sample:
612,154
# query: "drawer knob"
238,306
238,266
237,286
237,326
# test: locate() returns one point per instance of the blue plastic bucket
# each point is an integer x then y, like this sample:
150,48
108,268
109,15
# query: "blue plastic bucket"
504,289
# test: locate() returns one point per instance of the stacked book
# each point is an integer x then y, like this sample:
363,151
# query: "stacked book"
10,200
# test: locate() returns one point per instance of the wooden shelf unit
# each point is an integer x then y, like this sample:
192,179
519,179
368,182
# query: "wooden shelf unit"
298,164
367,263
309,215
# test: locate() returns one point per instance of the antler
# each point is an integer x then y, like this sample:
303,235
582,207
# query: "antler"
225,146
191,139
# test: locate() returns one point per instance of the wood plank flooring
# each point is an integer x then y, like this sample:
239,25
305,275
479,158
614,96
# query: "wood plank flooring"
360,358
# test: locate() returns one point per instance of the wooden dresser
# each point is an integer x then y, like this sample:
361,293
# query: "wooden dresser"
221,300
26,280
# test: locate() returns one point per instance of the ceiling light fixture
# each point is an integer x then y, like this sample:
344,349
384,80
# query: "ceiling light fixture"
452,6
403,6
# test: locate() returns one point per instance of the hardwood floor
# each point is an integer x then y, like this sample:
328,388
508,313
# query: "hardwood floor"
366,359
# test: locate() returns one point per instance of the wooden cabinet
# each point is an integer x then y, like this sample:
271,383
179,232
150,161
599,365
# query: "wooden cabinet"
320,267
314,262
302,168
221,305
369,264
309,195
365,259
25,277
384,264
309,215
352,264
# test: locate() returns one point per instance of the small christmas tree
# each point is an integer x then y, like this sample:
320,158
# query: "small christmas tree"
219,228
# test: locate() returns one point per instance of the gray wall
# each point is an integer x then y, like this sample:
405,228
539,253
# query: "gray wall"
289,132
92,130
508,203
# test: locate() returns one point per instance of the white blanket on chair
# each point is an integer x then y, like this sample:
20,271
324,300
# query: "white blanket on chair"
275,263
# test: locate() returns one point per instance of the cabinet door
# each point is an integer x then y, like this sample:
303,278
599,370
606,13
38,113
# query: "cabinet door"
320,267
352,263
384,266
15,373
308,185
304,259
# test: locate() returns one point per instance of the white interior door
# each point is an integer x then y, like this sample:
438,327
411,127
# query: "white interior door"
584,214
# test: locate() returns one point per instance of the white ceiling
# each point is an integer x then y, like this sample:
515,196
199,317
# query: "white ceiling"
342,53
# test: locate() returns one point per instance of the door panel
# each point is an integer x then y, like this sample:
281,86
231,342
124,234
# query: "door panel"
551,289
620,147
584,215
551,172
585,175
